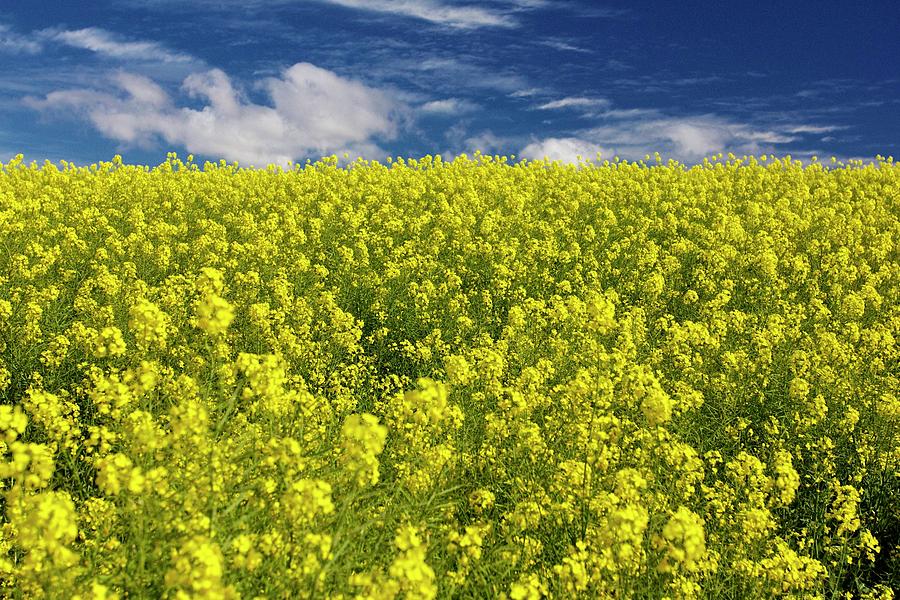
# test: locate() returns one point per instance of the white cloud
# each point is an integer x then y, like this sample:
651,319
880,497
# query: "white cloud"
488,143
314,112
564,46
814,129
450,106
529,4
461,140
434,11
565,149
685,138
100,42
437,11
525,93
107,44
604,12
613,64
455,73
633,134
693,139
15,43
630,113
142,89
574,102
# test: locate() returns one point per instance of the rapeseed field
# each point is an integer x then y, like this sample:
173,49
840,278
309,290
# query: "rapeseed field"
431,379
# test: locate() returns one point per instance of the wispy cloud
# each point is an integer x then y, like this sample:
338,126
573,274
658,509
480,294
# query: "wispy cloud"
458,73
613,64
687,138
434,11
461,139
449,106
499,13
108,44
633,134
314,112
487,142
527,93
574,102
665,82
630,113
94,39
564,46
15,43
529,4
605,12
814,128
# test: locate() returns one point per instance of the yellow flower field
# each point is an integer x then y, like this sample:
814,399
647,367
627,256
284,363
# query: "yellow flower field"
470,379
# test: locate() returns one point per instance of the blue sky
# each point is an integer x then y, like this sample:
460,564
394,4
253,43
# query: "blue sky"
261,81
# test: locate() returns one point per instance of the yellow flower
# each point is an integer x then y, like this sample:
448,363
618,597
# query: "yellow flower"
116,472
214,314
149,324
685,542
362,439
306,500
528,587
787,480
409,568
198,570
109,343
13,422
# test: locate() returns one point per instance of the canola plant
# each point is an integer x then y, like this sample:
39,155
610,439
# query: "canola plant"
475,378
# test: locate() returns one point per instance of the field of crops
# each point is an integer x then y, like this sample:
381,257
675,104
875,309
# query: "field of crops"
471,379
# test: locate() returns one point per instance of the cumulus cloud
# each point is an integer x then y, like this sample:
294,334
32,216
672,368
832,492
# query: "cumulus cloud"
632,135
566,149
434,11
313,112
142,89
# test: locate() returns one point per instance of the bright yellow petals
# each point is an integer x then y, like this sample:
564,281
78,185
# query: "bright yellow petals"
109,342
475,378
362,439
685,542
149,325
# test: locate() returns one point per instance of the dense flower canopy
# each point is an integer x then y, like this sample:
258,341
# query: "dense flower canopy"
474,378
